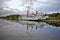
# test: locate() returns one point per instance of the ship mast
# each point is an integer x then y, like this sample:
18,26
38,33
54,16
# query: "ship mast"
28,5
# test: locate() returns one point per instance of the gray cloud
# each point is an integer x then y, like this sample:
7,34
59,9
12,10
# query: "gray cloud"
49,6
42,6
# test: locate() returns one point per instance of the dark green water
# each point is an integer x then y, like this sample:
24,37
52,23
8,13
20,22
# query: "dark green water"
28,30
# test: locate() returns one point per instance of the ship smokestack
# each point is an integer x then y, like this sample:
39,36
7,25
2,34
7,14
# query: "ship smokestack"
27,13
36,12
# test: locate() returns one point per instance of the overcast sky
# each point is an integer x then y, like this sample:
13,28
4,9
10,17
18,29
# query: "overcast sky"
12,6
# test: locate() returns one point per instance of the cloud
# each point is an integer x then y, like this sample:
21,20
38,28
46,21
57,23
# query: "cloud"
40,5
47,6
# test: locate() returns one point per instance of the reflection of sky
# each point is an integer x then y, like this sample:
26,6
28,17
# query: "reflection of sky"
12,30
40,5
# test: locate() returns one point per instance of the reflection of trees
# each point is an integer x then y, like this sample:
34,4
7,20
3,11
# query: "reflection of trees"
57,24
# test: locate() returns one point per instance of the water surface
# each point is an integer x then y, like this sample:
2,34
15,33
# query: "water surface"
28,30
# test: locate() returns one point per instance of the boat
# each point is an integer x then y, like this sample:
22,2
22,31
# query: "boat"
33,16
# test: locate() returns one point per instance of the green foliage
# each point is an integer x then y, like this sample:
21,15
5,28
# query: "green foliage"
54,16
12,17
57,24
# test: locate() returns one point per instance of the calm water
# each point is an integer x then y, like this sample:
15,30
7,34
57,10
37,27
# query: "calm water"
28,30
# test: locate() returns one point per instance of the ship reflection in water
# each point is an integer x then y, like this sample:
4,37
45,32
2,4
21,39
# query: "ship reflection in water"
28,30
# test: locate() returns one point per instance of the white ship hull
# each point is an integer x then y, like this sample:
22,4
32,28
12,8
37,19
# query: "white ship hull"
32,18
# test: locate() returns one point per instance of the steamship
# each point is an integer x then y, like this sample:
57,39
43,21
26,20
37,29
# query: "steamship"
33,16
